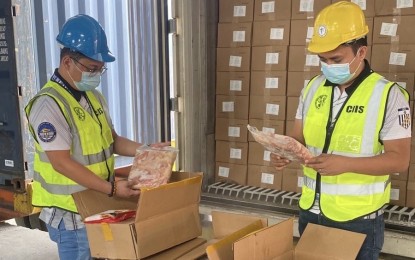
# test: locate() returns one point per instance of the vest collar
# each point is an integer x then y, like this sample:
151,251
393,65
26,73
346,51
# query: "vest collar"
57,78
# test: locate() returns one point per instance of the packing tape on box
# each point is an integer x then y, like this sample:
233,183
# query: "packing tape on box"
106,231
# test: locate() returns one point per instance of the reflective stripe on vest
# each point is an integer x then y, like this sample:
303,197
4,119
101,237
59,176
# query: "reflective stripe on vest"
88,148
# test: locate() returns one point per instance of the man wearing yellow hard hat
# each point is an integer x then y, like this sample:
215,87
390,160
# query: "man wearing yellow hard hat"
358,126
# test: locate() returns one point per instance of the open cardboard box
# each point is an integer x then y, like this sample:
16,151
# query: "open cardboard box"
166,216
246,239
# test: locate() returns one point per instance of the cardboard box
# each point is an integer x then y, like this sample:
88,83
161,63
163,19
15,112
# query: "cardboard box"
268,83
292,179
398,193
267,107
232,83
231,173
390,7
390,29
258,155
269,58
400,176
161,212
233,59
292,105
410,196
301,9
300,59
289,125
405,80
270,126
400,58
264,177
235,11
235,107
231,152
266,10
233,130
367,6
301,31
317,243
177,252
297,80
234,34
269,33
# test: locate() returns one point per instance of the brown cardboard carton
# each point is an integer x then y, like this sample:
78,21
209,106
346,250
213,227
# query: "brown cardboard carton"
367,6
405,80
232,152
317,243
268,83
297,80
292,104
390,29
410,198
400,176
269,33
301,31
178,251
292,179
232,107
231,173
233,59
391,7
307,9
152,230
411,170
233,130
232,83
266,10
236,11
234,34
289,124
300,59
267,107
393,58
269,58
398,193
264,177
258,154
270,126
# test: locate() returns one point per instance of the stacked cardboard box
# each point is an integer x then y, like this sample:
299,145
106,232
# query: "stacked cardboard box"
273,66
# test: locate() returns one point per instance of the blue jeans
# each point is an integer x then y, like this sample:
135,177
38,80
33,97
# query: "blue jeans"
373,228
72,244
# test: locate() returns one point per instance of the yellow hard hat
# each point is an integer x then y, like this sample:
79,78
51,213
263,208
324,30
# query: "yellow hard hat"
336,24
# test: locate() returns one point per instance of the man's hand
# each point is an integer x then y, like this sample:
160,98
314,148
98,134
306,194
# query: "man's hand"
278,162
123,189
160,145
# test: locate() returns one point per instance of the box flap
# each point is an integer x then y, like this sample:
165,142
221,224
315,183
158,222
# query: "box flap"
197,252
223,248
178,251
267,243
225,223
183,191
332,243
86,202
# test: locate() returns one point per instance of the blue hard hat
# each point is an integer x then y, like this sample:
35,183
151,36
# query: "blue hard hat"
84,34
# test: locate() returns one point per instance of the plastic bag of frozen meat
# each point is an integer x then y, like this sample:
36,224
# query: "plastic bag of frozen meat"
152,166
282,145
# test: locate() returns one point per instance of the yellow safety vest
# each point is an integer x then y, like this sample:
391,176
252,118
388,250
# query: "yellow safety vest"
92,146
355,133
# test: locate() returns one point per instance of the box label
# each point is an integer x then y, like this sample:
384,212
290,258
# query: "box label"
404,3
223,172
268,7
268,130
271,82
234,131
397,58
276,34
239,11
235,61
267,156
267,178
272,58
394,194
306,5
238,36
312,60
388,29
228,106
361,3
272,109
235,85
300,182
310,33
235,153
402,84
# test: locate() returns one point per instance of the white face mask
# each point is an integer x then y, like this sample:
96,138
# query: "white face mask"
338,73
87,82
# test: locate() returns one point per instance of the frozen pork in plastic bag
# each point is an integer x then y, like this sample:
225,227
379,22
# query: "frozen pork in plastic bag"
282,145
152,166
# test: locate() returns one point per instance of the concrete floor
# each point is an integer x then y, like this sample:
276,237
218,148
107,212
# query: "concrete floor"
20,243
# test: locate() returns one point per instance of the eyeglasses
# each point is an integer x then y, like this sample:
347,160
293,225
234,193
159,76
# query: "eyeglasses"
92,72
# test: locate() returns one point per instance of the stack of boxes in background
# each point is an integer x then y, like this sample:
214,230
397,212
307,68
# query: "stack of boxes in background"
262,66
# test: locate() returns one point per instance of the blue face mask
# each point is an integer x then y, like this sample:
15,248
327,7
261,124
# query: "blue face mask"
87,82
338,73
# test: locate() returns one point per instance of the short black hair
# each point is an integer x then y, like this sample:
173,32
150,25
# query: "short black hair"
356,44
71,53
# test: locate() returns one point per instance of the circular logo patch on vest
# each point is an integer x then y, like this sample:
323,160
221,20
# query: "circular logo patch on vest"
322,30
320,101
46,132
80,113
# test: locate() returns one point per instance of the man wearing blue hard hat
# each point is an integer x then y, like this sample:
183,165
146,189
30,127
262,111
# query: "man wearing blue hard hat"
75,140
